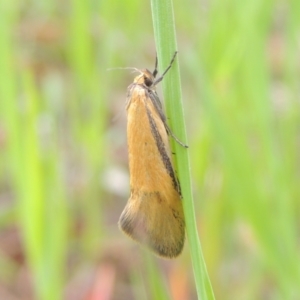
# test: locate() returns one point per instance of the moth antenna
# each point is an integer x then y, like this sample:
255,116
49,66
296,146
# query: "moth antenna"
164,73
155,69
125,68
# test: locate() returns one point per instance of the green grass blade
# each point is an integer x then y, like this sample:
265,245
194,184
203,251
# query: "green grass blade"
164,31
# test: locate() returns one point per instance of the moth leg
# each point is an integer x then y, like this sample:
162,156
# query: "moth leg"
169,131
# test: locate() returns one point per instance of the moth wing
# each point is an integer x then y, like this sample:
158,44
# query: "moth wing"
153,214
150,220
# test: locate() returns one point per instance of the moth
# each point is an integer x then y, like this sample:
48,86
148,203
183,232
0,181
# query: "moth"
153,215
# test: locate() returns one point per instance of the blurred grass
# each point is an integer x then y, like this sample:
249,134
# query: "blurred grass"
58,203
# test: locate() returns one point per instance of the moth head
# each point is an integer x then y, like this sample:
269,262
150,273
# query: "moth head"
145,78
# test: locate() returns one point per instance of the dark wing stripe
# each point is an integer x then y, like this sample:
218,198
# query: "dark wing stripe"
162,150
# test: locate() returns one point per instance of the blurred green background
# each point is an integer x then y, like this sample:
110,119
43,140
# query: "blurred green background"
63,157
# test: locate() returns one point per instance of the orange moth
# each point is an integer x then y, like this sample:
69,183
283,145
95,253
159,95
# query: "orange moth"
153,215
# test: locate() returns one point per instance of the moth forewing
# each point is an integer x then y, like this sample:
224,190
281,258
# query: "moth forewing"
153,215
